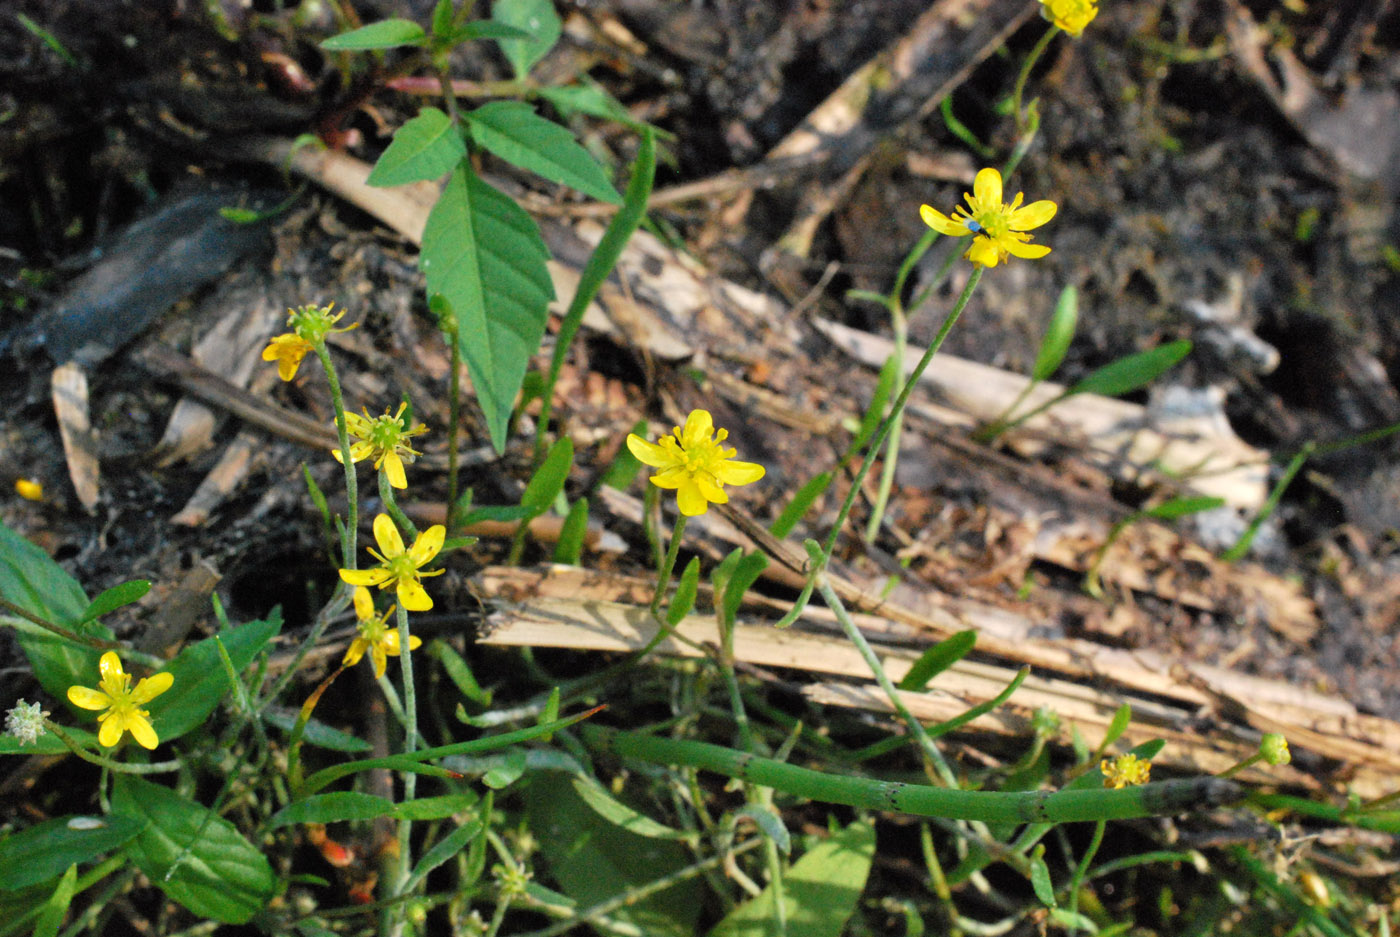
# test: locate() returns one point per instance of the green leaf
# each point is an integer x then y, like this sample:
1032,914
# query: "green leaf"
592,859
115,597
684,599
745,574
548,481
1058,335
459,671
316,732
1134,371
31,579
424,148
199,677
222,876
332,808
1121,719
536,17
800,504
447,847
1181,507
488,29
485,256
436,808
514,132
48,743
43,851
569,549
593,100
625,465
385,34
937,659
443,14
620,815
506,768
56,908
1040,878
820,889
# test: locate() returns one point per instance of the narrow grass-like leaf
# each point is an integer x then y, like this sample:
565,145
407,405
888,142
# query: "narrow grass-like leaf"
937,659
199,683
484,254
221,876
800,504
684,599
1134,371
1040,878
514,132
1180,507
44,850
767,820
424,148
548,481
115,597
488,29
486,257
1121,718
332,808
385,34
569,549
535,17
459,671
1058,335
445,848
746,572
884,389
625,465
619,814
436,808
505,770
56,908
821,890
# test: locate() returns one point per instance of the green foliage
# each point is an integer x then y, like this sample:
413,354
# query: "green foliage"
115,597
198,859
800,504
56,908
425,148
548,481
746,573
484,255
199,680
1132,372
937,659
43,851
569,549
1058,335
684,599
385,34
820,890
538,19
620,815
316,732
514,132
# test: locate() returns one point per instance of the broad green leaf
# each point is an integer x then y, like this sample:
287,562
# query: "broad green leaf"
592,859
514,132
443,14
1134,371
535,17
1181,507
56,908
115,597
800,504
222,876
48,743
199,677
619,814
485,256
686,590
937,659
43,851
569,549
820,890
332,808
424,148
316,732
593,100
385,34
1058,335
30,579
548,481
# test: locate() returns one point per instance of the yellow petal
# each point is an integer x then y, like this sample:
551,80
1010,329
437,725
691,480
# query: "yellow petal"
710,491
365,577
110,666
110,733
364,604
141,731
1028,251
391,642
354,652
88,698
699,427
732,472
1032,216
671,478
387,536
986,188
427,545
648,453
413,596
984,251
414,642
376,654
151,687
941,222
286,370
393,467
690,501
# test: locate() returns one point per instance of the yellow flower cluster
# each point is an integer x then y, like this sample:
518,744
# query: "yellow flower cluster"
1070,15
382,439
1125,770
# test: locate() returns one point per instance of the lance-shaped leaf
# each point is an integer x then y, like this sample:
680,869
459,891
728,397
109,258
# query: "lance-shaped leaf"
426,147
486,258
514,132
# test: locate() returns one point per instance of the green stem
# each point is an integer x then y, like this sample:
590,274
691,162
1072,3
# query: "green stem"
1242,545
352,485
454,416
410,744
1031,59
391,504
668,565
1081,870
101,644
158,767
1160,798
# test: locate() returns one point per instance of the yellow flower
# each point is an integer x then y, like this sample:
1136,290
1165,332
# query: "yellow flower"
398,567
287,350
383,438
122,705
1070,15
694,463
1125,770
377,636
29,490
998,226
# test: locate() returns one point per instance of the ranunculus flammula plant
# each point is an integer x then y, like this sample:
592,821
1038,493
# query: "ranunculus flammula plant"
694,462
121,702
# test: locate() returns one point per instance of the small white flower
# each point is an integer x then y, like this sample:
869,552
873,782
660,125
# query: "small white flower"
25,722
